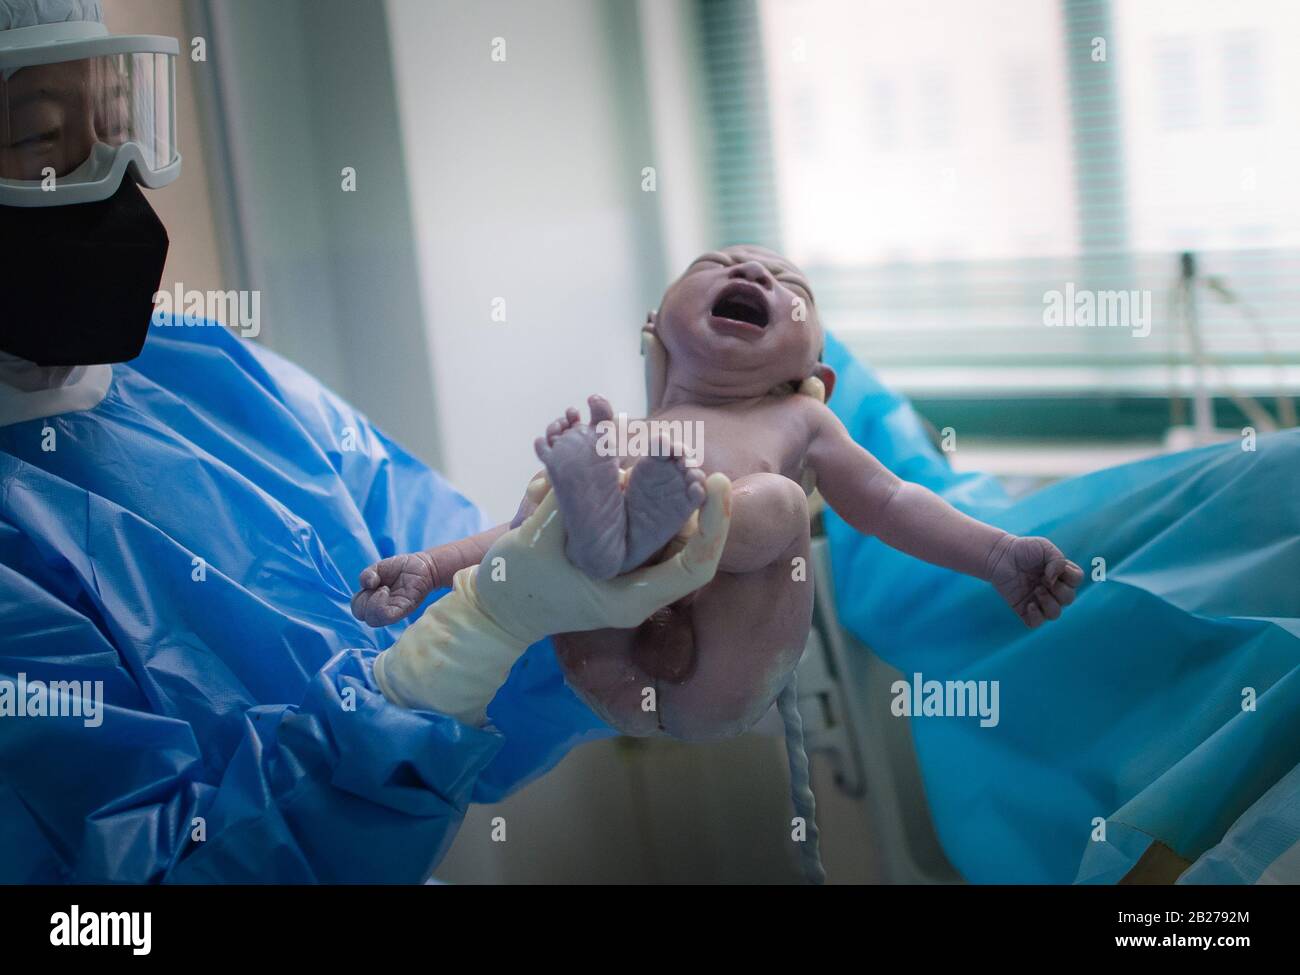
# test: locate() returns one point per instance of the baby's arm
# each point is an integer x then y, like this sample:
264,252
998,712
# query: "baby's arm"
1030,573
396,586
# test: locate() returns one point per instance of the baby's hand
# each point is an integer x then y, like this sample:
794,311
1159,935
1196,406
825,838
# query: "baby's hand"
393,587
396,586
1035,579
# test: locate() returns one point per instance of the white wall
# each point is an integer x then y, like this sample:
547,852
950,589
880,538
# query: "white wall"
524,185
293,92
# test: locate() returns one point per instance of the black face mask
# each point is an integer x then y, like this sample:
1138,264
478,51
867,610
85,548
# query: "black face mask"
77,281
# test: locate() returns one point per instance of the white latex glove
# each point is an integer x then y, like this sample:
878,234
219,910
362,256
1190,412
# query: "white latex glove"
460,651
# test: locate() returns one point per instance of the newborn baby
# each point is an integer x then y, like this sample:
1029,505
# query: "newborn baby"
741,334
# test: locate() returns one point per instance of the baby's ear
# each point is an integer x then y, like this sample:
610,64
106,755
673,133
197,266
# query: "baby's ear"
827,375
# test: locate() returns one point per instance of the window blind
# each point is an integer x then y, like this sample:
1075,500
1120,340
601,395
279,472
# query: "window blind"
1002,192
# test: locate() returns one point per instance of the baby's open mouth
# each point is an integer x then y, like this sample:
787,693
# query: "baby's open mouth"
742,303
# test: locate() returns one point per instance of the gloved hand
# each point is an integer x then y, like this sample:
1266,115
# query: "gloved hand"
460,651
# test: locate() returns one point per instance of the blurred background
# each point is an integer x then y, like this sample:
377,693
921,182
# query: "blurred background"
529,176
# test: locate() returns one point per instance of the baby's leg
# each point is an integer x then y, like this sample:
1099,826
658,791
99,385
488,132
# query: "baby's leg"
587,490
746,631
609,531
661,494
751,623
768,512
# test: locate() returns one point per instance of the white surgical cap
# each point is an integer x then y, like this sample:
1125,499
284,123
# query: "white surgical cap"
32,13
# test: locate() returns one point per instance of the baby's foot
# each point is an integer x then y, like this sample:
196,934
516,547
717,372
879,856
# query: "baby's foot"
587,490
661,494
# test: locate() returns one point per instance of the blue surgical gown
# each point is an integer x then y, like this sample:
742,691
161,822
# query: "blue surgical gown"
193,542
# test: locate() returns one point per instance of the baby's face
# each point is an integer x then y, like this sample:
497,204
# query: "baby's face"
738,323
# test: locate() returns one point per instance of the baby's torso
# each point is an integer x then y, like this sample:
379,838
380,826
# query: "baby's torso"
709,666
769,437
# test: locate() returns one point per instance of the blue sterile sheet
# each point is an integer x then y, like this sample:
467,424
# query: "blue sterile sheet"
1161,706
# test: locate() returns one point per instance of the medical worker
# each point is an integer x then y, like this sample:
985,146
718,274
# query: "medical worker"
184,692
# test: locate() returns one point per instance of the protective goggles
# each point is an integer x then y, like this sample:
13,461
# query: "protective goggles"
79,107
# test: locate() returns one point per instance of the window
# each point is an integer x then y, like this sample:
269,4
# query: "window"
948,171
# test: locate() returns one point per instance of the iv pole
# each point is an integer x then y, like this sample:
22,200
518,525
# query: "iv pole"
1202,408
1203,426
